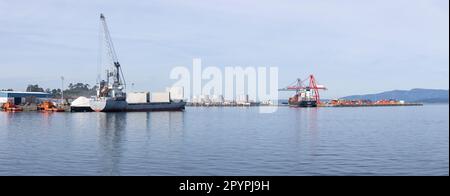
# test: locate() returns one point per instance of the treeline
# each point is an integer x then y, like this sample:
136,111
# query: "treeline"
73,90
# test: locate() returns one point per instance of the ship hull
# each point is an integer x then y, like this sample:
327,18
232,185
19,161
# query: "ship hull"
123,106
304,104
81,109
108,105
145,107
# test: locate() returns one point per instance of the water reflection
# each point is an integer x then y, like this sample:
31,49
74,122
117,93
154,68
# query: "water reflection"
9,119
313,131
167,124
307,120
228,141
13,119
47,118
111,134
312,122
307,130
114,128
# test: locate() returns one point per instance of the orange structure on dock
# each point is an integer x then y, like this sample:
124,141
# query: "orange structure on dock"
10,107
359,102
49,106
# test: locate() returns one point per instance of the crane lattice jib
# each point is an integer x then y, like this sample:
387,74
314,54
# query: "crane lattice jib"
112,52
298,86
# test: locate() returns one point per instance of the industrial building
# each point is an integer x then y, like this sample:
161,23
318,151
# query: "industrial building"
18,98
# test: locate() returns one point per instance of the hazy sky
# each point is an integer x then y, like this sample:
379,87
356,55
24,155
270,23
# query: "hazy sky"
352,47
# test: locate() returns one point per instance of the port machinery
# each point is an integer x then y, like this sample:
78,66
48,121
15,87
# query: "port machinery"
111,93
305,95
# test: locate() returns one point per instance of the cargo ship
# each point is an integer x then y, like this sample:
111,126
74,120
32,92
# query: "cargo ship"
111,93
302,99
136,102
303,104
111,105
305,95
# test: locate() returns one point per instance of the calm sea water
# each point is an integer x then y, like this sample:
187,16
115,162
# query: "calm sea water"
229,141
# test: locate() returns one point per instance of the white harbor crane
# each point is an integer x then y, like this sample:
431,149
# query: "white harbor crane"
115,87
111,96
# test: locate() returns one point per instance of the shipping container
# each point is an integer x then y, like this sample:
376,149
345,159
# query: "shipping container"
138,97
160,97
176,93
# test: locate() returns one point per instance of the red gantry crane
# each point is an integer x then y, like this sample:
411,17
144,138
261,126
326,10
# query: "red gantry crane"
305,96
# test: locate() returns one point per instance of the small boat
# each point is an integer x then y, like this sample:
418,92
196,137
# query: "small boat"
10,107
48,106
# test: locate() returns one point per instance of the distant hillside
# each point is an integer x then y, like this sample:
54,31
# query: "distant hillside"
414,95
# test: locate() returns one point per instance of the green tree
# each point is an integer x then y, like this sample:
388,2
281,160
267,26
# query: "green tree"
79,89
34,88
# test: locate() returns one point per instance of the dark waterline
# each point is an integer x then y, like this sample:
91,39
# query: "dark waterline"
229,141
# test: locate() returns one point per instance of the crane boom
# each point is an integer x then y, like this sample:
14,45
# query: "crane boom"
305,93
117,73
